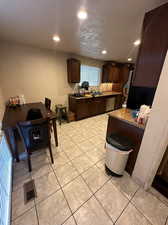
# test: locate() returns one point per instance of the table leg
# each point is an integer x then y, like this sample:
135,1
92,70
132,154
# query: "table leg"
55,131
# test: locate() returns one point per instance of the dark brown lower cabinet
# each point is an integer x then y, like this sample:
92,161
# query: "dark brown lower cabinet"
86,107
82,109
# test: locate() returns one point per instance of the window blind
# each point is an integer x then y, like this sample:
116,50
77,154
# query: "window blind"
90,74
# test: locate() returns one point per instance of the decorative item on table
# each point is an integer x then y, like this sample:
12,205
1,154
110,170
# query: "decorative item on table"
14,102
143,114
22,99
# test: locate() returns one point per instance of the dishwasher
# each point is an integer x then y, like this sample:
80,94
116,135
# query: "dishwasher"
110,102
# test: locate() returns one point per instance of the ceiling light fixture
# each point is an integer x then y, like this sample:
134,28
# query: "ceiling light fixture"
129,59
82,15
137,42
56,38
104,52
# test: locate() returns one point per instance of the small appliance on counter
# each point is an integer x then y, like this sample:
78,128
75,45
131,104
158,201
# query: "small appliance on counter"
79,91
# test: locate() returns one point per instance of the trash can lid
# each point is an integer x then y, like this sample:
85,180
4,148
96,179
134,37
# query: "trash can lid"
120,142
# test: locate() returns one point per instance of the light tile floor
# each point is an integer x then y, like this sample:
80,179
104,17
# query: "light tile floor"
75,190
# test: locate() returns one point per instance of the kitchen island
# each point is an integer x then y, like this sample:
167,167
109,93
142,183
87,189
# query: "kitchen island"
89,105
121,121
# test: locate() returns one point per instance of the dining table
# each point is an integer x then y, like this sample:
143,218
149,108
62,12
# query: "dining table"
13,115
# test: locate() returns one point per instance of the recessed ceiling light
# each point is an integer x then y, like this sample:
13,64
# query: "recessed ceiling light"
82,15
129,59
104,52
56,38
137,42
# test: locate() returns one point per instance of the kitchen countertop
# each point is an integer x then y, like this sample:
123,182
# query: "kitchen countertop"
104,94
124,114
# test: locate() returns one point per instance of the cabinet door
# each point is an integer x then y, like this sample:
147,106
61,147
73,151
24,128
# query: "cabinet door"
97,106
114,75
110,73
124,74
153,48
82,109
73,70
105,74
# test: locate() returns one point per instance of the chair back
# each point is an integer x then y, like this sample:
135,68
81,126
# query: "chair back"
34,114
48,103
35,134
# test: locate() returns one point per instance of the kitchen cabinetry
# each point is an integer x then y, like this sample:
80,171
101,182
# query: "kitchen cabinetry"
73,70
86,107
110,73
154,45
151,56
116,73
121,122
124,72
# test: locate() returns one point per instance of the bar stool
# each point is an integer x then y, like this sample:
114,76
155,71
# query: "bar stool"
61,112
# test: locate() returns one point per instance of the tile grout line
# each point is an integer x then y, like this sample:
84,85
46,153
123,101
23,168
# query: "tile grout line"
132,203
96,197
35,201
70,160
166,204
37,214
141,213
65,200
93,193
129,201
84,201
80,174
25,210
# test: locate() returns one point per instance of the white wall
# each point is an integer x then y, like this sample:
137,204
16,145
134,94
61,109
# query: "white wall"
155,138
36,73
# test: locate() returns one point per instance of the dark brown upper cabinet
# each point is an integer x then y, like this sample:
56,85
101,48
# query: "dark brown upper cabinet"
73,70
125,72
110,73
154,45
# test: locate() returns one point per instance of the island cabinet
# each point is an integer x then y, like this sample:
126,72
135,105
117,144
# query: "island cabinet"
86,107
73,70
121,122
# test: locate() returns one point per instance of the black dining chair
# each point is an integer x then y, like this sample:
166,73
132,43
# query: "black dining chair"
35,135
34,114
48,107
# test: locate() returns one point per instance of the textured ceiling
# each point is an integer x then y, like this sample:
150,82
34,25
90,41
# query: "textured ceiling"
111,25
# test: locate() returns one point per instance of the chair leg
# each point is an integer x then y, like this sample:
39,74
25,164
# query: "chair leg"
51,155
29,163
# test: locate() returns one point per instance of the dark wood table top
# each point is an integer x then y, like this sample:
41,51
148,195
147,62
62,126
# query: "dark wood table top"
13,116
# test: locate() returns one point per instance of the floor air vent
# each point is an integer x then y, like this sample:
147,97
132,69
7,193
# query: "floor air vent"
29,191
